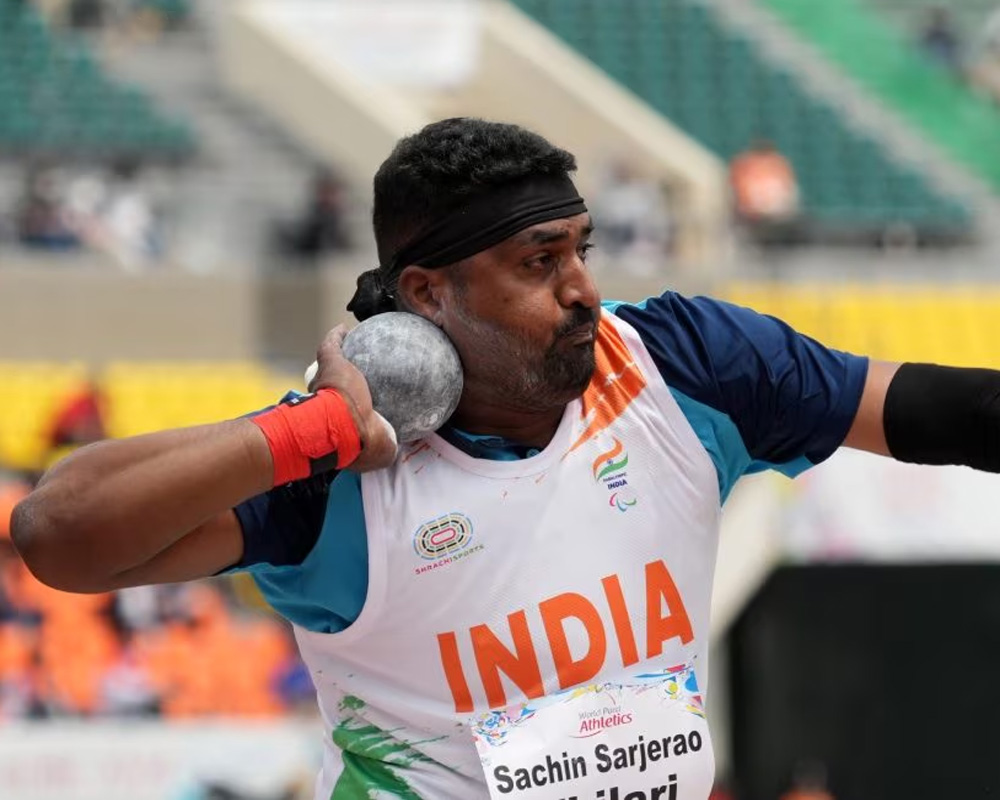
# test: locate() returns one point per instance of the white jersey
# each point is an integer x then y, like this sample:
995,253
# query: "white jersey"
496,584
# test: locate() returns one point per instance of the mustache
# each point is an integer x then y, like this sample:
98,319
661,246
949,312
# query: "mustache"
579,317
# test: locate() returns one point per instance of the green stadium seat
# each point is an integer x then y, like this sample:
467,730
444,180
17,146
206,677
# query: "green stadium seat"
712,83
873,41
55,97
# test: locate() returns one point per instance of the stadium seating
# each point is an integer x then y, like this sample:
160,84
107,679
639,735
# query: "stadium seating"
882,57
950,324
209,662
56,99
188,653
172,12
141,397
685,63
907,16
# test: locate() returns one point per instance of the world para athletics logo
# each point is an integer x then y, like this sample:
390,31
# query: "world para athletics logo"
610,469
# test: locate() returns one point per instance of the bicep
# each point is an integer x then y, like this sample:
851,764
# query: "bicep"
206,550
867,431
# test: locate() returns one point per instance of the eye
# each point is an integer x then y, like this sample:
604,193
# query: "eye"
541,261
584,250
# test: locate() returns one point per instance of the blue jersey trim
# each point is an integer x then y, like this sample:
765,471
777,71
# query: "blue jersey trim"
719,436
612,306
326,592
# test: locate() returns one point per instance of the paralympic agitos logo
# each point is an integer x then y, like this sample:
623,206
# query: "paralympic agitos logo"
610,469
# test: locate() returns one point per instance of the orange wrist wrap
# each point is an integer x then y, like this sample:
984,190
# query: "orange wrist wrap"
306,430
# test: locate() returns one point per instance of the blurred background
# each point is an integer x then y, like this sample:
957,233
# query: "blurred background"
184,207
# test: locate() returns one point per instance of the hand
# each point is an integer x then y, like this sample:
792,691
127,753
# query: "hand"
378,440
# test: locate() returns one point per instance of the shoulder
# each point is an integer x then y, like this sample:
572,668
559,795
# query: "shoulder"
785,394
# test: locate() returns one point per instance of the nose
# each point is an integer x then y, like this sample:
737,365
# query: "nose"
576,285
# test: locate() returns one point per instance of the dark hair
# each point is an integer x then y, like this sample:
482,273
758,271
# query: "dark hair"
430,173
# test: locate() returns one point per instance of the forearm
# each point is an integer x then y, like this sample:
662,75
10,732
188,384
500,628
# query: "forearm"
114,506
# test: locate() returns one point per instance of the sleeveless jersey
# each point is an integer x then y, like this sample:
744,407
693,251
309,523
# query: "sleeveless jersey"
494,583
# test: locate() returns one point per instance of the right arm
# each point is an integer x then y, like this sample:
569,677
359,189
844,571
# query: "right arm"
158,508
151,509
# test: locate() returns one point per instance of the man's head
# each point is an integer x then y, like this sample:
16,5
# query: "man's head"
479,229
436,171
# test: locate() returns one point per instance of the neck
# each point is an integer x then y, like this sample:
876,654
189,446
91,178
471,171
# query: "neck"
491,417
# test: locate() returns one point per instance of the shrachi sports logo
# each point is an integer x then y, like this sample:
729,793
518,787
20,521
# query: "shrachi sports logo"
443,540
610,469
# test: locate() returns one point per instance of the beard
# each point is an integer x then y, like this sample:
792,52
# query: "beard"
522,375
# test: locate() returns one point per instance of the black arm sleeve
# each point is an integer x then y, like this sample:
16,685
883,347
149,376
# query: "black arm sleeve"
944,415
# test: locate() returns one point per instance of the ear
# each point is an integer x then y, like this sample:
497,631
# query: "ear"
421,291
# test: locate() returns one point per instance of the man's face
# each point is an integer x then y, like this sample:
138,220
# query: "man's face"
523,315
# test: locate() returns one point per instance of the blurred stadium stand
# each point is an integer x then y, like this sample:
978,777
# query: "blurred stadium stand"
968,14
55,99
520,73
238,102
140,398
679,56
875,42
948,324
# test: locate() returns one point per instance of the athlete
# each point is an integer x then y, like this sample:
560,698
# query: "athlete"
518,605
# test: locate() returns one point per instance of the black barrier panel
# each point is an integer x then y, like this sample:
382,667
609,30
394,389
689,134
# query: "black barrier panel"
888,675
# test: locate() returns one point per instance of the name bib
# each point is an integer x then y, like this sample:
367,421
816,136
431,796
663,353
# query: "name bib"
644,739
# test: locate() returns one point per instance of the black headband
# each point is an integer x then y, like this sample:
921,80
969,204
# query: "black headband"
483,221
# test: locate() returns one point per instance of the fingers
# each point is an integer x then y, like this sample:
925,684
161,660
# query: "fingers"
330,349
332,342
380,445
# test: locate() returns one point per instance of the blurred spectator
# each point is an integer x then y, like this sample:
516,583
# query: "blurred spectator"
137,18
294,684
808,783
984,63
127,686
222,790
59,210
765,194
11,494
116,216
85,14
42,220
176,650
320,229
79,419
634,219
940,41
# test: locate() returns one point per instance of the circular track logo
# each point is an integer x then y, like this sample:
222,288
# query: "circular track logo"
443,536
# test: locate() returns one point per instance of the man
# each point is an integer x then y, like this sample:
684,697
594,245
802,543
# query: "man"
765,193
558,534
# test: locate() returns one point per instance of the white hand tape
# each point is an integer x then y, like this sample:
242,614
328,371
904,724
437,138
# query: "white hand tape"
311,371
389,428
